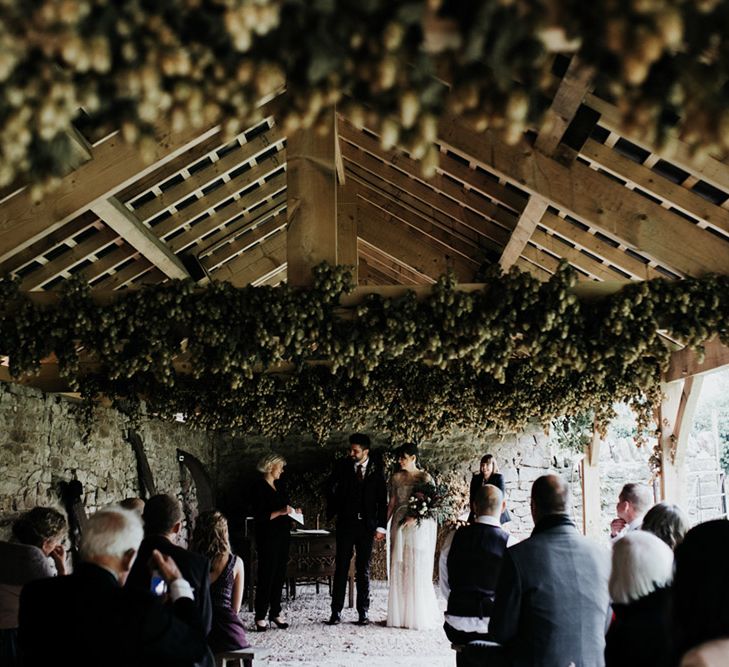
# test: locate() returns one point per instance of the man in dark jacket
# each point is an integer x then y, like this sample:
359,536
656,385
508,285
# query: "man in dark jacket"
473,564
552,603
88,619
357,495
162,524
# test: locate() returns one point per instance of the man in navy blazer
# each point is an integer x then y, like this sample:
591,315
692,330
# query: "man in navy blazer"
162,523
88,618
357,496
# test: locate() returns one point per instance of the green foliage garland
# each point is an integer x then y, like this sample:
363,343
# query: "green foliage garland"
193,63
485,360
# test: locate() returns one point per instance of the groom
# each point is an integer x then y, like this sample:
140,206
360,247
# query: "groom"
357,495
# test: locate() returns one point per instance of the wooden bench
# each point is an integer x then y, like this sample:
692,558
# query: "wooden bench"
243,657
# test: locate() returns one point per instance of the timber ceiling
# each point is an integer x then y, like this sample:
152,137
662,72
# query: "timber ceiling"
577,189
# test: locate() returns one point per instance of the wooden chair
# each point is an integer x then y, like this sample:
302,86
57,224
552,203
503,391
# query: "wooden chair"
253,656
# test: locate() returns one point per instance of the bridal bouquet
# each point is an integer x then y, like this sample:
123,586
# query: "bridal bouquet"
424,503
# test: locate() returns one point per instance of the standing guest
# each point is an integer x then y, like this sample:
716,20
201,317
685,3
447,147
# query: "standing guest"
700,594
133,504
38,535
633,502
666,521
488,474
210,538
640,581
357,496
273,533
473,562
552,603
162,525
88,618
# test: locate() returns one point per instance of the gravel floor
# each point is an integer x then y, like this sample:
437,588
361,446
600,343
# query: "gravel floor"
310,642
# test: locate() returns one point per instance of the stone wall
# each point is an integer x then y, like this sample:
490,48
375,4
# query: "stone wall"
41,446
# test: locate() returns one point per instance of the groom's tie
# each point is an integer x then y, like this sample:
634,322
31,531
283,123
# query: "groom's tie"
360,472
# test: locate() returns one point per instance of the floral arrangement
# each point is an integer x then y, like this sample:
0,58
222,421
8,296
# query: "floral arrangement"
425,502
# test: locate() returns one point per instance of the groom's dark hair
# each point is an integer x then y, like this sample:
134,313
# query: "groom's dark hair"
361,439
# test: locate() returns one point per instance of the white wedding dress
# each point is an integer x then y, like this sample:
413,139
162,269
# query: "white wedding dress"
412,602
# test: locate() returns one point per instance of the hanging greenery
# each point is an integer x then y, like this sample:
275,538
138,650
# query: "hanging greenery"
485,360
186,64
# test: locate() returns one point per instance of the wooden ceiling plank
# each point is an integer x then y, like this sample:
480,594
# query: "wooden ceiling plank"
201,179
545,260
444,211
676,195
679,153
369,275
471,178
68,260
267,227
572,89
124,275
400,272
595,198
232,188
530,216
537,271
273,278
255,262
410,245
594,245
109,262
134,232
454,242
218,222
115,165
48,243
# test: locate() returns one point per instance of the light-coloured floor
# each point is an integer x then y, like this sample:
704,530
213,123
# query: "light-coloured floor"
309,642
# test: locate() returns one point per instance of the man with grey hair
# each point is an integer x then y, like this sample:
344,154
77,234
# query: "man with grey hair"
633,502
89,618
552,603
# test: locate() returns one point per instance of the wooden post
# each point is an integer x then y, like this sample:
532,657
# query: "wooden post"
347,229
312,182
591,510
674,422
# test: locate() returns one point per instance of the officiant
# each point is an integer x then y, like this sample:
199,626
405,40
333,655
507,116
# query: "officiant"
271,512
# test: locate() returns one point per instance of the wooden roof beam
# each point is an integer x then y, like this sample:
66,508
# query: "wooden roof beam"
685,363
594,198
401,273
125,224
527,223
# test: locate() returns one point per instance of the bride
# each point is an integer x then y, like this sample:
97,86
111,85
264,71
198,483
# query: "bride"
412,603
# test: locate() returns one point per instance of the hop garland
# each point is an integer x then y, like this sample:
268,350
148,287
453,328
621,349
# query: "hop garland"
188,64
486,361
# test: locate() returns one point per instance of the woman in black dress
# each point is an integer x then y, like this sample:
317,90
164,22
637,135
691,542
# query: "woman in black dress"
273,527
489,474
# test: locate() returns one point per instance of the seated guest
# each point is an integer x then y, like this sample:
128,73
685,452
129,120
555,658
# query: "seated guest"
134,504
87,619
552,604
633,502
700,594
210,538
38,535
639,635
162,524
473,561
667,522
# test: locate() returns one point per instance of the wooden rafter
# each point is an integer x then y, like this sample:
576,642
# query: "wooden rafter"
595,199
255,262
685,363
114,165
399,272
522,232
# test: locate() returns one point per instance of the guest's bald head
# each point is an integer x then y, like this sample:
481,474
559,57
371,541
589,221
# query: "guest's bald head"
550,495
488,501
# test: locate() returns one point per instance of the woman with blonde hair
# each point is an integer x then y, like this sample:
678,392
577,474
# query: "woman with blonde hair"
640,590
273,527
210,538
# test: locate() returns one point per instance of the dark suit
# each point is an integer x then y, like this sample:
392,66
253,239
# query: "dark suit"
496,479
193,567
86,619
360,508
552,603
